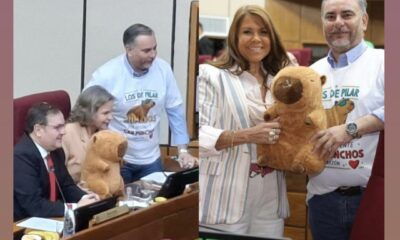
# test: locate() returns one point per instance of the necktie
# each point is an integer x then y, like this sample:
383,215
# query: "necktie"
52,179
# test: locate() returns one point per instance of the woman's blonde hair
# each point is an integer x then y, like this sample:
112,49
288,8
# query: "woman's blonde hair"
88,103
272,63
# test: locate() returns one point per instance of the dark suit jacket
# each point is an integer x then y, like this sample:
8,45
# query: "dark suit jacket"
32,186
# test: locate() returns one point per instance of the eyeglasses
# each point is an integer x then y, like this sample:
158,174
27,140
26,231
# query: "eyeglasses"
58,128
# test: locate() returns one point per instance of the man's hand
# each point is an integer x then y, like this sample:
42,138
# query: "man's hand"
326,142
186,160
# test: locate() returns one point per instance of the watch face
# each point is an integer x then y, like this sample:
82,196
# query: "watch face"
351,128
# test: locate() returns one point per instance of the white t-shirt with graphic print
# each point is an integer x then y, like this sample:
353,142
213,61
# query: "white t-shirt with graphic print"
148,95
363,82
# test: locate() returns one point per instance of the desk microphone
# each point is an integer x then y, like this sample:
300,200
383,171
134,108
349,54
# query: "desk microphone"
58,185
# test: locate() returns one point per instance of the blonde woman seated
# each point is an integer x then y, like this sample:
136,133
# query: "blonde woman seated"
92,112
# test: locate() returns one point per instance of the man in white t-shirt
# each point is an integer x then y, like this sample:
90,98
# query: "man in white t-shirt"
354,71
143,86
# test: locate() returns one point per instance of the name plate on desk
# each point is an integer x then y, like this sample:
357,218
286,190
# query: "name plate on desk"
110,214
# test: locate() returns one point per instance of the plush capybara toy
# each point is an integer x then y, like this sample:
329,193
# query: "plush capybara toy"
297,92
101,168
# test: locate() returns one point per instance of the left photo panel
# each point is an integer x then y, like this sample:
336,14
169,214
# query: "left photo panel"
105,122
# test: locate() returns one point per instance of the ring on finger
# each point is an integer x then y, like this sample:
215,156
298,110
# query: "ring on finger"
271,133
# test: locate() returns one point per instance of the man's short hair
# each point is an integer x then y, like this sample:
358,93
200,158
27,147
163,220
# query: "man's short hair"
362,3
38,113
132,32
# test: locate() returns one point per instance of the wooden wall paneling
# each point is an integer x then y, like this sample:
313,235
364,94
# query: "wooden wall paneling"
292,45
296,182
295,233
367,33
311,26
286,18
376,23
192,66
164,151
298,211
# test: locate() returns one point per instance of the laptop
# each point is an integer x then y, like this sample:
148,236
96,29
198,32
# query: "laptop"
175,183
85,213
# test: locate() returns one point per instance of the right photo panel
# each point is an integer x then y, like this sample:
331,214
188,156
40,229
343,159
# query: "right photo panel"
290,104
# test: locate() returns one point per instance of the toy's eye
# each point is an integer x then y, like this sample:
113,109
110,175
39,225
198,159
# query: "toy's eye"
312,80
342,102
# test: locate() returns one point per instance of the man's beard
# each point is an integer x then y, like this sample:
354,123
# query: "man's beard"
341,44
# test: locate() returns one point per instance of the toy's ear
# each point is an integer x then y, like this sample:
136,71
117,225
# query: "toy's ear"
323,79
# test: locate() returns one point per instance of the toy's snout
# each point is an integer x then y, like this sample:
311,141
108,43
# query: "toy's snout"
288,90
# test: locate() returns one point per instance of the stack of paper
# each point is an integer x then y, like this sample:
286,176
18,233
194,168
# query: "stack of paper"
42,224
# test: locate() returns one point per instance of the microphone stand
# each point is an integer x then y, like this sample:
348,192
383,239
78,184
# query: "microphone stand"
58,184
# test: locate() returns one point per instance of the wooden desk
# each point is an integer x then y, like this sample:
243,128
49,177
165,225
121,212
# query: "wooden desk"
174,219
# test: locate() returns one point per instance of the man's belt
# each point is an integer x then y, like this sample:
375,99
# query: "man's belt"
350,191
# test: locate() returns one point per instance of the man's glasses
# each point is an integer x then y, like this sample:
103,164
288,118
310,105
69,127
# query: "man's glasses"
58,128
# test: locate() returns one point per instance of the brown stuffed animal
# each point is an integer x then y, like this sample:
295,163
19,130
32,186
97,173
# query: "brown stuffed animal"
298,103
139,113
338,113
101,168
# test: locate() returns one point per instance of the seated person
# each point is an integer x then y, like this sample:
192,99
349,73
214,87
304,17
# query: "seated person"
92,112
42,183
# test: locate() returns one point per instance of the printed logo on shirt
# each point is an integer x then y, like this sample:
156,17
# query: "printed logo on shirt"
140,94
348,92
140,113
141,122
140,135
348,156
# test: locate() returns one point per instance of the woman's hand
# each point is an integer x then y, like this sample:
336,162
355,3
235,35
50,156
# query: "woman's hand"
265,133
262,133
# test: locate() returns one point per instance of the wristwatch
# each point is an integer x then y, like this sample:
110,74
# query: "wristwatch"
183,150
352,129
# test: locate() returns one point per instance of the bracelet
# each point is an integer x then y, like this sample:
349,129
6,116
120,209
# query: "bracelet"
233,137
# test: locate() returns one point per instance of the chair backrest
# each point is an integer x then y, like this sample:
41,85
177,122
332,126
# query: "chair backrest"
204,58
57,98
303,55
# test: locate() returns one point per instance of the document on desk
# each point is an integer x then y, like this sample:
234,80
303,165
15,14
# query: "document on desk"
156,177
44,224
